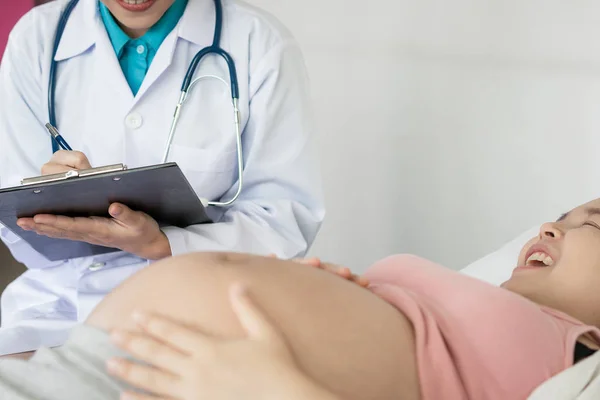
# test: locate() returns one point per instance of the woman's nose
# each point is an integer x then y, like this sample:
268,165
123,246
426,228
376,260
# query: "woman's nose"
550,230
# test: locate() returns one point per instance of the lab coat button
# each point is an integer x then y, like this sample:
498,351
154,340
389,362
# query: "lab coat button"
133,121
96,266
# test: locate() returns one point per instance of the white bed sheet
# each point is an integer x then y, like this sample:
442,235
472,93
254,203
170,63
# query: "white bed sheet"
580,382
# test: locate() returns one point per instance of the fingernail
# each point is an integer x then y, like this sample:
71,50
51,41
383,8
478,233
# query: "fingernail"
127,396
24,225
117,337
113,365
116,210
139,317
238,290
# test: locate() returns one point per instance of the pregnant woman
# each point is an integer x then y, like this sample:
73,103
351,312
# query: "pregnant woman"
418,331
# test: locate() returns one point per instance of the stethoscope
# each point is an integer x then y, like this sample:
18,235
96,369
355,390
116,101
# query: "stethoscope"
187,85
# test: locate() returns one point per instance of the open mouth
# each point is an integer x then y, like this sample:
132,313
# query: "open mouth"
539,259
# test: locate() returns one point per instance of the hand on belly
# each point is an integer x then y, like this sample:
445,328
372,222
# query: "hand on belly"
188,364
343,272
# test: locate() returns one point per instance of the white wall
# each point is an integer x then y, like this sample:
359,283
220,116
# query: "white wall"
448,127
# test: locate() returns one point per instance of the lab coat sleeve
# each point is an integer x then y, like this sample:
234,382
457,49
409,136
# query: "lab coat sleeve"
22,110
280,209
22,135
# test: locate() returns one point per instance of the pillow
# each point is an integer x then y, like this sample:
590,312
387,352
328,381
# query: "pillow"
497,267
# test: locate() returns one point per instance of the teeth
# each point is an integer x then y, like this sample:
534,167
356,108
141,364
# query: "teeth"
132,2
542,257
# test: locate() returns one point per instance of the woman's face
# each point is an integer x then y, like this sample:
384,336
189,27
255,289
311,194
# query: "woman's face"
137,16
560,268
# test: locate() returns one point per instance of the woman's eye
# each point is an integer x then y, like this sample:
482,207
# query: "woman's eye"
592,224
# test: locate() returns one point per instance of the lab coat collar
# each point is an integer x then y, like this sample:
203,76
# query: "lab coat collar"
153,38
197,24
81,31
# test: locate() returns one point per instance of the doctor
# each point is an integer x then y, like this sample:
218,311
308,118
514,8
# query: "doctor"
120,66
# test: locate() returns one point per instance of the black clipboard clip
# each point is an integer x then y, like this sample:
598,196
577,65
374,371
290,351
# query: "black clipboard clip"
73,174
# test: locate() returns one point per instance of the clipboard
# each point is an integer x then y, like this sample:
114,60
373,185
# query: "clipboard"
161,191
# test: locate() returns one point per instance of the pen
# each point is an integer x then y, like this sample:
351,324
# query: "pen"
59,139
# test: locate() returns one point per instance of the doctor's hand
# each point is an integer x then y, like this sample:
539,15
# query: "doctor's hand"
131,231
189,365
63,161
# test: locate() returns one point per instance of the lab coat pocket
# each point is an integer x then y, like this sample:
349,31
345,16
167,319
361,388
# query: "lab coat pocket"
202,160
210,172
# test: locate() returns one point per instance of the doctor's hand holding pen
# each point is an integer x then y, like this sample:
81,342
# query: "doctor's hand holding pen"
128,230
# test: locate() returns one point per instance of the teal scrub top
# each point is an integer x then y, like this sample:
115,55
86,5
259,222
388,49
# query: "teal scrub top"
136,55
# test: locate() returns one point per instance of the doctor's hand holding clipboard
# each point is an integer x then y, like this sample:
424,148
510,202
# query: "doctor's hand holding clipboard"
132,231
216,86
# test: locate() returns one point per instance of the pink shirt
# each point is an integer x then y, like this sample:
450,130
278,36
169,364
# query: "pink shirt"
474,340
11,12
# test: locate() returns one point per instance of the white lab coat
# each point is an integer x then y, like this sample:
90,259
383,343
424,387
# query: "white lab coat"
280,209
